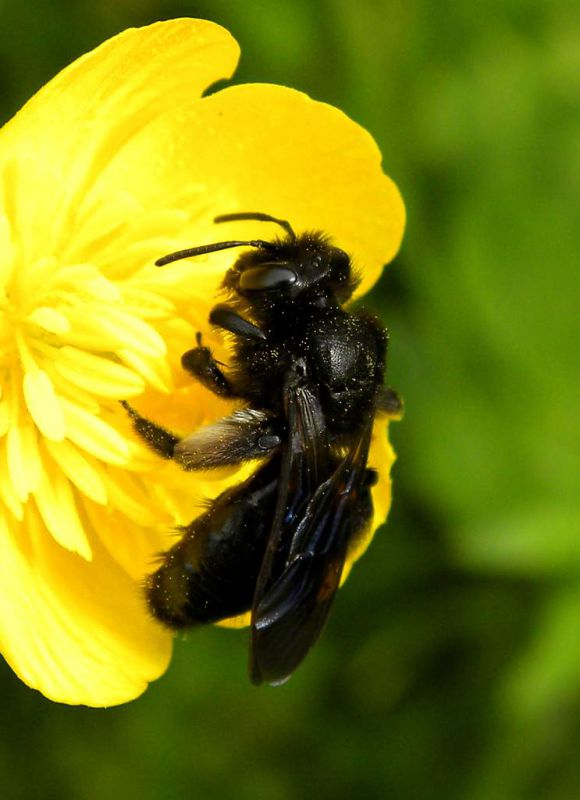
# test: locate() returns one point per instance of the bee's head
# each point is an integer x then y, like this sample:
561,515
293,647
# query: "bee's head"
304,268
292,268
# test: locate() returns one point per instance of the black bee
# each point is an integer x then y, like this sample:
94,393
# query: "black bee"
309,376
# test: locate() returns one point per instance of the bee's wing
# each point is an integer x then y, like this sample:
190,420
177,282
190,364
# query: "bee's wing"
318,511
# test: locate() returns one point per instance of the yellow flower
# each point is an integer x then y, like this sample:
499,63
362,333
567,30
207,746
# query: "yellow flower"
116,161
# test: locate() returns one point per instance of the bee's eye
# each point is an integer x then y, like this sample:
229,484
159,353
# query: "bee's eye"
266,276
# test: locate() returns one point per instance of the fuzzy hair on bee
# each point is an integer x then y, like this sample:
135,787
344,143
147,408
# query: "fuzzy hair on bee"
307,376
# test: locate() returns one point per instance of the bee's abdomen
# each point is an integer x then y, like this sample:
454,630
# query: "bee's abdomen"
211,573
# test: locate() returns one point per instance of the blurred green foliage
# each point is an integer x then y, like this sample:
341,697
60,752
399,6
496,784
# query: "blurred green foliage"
451,667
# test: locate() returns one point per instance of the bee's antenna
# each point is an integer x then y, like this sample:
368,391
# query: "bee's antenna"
259,217
210,248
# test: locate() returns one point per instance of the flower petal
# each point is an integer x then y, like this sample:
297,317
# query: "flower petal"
80,469
153,370
95,435
110,328
4,417
50,320
263,148
43,404
18,473
104,653
102,376
56,503
68,132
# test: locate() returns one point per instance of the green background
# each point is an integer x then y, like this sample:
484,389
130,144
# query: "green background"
451,665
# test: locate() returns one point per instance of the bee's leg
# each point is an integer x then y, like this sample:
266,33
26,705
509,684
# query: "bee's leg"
389,402
200,363
245,435
160,440
226,317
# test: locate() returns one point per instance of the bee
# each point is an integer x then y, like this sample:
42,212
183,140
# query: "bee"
308,376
